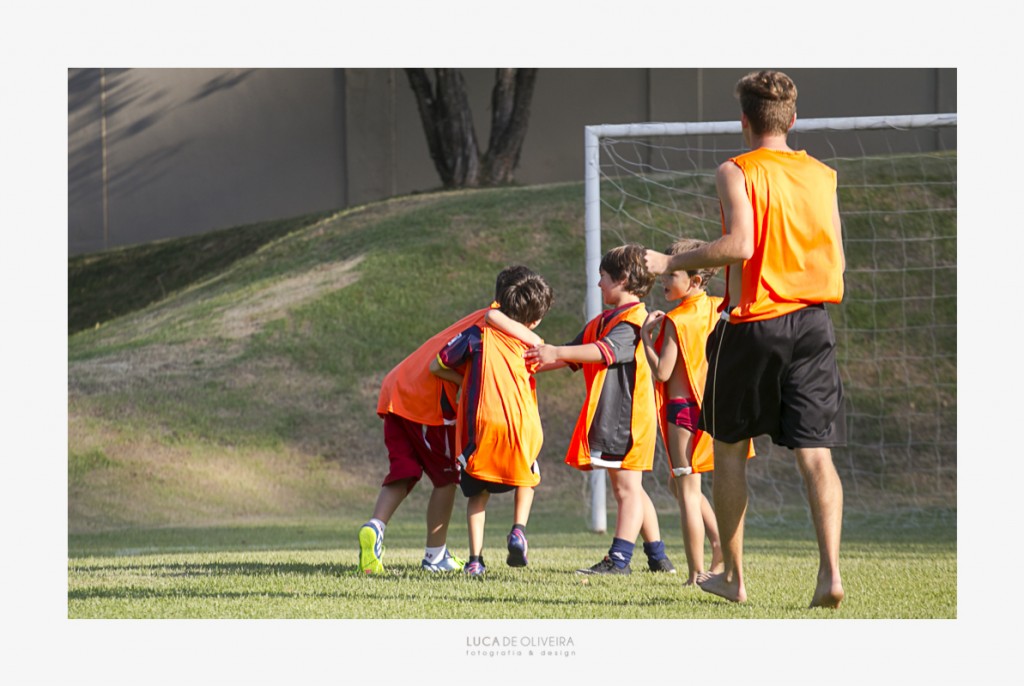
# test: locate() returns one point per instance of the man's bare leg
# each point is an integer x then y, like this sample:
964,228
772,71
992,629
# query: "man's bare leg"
730,493
439,513
825,497
711,529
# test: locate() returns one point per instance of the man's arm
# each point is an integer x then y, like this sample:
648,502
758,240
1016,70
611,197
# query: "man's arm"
735,245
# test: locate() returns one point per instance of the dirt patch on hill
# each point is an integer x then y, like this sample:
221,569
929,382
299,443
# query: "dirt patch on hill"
269,303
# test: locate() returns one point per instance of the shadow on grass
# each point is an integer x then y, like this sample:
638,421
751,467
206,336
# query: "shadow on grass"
919,528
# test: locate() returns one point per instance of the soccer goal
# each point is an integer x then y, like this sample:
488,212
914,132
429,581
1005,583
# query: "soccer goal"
652,183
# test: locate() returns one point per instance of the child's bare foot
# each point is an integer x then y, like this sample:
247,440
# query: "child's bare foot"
828,594
729,589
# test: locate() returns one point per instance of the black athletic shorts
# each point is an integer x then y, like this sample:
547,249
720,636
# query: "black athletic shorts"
472,486
777,377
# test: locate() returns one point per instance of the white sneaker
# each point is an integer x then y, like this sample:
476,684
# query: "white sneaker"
448,563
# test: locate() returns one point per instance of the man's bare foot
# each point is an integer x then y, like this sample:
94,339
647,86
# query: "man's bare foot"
828,595
720,586
717,561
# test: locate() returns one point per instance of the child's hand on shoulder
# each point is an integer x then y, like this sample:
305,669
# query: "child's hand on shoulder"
541,354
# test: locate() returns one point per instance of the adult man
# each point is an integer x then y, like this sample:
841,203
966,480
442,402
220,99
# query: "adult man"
772,366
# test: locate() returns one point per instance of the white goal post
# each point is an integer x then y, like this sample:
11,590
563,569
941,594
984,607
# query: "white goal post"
593,176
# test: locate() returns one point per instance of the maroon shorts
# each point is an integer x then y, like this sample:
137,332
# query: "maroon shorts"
414,449
683,412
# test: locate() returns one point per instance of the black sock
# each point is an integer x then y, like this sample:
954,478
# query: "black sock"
476,558
521,527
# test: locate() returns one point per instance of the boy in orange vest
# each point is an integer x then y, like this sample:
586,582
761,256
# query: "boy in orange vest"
499,434
679,365
418,410
617,426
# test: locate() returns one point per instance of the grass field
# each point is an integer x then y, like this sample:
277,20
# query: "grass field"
308,570
223,445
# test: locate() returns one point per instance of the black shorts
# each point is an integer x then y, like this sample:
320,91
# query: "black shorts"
472,486
777,377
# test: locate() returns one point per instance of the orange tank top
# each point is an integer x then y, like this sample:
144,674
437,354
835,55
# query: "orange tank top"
693,320
797,258
409,390
507,431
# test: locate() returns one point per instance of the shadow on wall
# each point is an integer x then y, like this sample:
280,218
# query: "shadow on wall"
100,102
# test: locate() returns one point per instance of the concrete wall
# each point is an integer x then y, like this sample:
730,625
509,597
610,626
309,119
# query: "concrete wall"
191,150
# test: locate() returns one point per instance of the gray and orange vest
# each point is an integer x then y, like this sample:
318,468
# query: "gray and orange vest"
643,419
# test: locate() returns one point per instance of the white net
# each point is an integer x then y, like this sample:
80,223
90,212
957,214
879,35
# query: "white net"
896,325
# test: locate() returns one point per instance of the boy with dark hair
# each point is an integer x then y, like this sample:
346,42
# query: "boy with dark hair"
616,429
772,358
418,410
679,365
499,434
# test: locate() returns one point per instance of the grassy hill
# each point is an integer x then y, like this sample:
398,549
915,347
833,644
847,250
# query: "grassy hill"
249,391
233,377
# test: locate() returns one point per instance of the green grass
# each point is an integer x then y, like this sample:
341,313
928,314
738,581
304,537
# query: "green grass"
223,442
104,286
308,570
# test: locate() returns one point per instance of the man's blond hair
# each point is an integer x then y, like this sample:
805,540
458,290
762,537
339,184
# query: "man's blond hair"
768,99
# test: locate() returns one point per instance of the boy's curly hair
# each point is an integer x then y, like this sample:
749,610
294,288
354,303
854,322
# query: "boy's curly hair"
526,300
512,274
686,245
627,262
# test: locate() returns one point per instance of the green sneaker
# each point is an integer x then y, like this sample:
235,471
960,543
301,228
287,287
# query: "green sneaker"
449,563
371,549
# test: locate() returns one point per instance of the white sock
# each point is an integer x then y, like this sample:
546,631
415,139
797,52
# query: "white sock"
434,555
377,523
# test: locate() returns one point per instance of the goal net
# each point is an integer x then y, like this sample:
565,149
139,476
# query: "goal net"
896,326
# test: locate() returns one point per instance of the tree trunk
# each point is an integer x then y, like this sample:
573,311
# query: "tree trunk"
448,124
510,114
